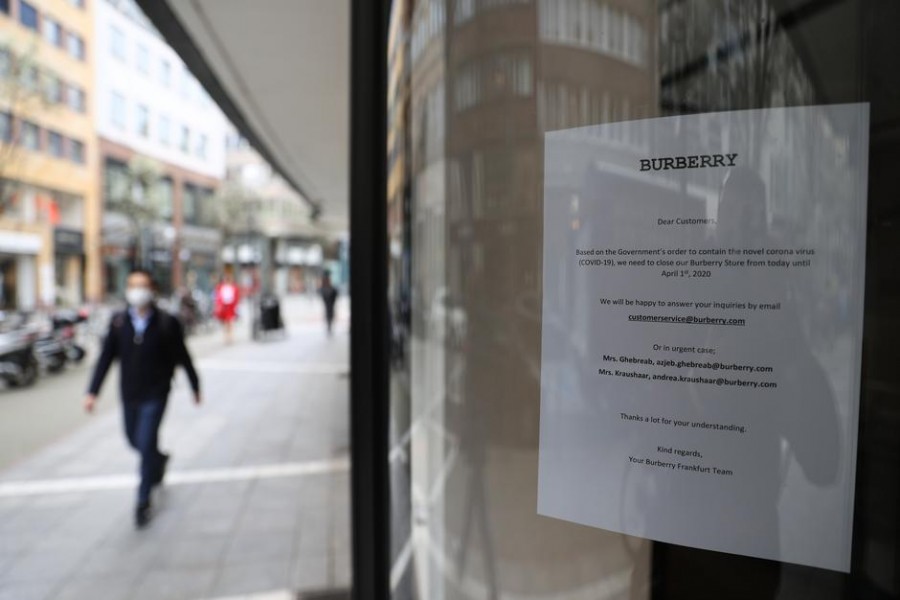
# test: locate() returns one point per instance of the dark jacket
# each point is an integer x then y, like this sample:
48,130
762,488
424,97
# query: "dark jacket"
148,363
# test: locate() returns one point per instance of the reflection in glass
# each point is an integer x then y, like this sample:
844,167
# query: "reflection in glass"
473,87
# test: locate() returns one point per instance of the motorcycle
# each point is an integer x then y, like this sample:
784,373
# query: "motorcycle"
18,363
49,350
65,324
56,344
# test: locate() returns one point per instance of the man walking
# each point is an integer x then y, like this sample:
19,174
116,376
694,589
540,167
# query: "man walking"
149,344
329,296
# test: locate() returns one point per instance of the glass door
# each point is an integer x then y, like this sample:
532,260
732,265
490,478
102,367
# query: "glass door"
517,135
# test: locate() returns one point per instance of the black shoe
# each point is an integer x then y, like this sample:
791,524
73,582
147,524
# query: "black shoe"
142,515
162,470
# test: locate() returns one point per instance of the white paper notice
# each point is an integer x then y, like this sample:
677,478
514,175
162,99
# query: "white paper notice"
702,325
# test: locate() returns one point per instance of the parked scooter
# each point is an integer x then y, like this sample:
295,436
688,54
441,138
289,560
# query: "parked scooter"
49,350
65,324
57,343
18,364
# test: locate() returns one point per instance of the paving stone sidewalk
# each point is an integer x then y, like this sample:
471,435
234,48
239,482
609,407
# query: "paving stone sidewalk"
256,502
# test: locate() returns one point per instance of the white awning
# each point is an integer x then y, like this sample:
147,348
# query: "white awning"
284,66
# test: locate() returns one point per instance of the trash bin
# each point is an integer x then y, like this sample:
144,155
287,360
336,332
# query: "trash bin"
270,313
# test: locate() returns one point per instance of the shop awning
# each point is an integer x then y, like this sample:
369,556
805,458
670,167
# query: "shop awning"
280,71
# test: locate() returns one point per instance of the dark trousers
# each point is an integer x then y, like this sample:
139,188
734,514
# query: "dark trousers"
329,316
142,421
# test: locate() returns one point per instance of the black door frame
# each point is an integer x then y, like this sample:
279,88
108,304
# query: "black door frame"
369,383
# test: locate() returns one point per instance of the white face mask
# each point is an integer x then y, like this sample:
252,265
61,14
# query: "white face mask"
138,297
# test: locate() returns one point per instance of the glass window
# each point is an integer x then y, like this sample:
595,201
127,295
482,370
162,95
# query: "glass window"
207,208
117,42
6,62
143,121
77,99
118,110
53,89
232,141
53,32
5,127
184,83
165,195
28,15
202,142
55,144
185,143
76,46
143,59
469,288
190,202
165,72
30,136
115,181
76,152
165,133
30,78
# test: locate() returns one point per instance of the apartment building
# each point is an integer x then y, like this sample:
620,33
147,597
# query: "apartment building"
157,125
49,226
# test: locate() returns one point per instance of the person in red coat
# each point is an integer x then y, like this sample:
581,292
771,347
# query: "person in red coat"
227,297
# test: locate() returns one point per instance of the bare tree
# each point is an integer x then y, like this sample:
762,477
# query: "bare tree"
136,195
26,92
234,209
730,56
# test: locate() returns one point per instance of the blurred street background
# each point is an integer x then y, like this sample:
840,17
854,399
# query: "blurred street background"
256,500
114,157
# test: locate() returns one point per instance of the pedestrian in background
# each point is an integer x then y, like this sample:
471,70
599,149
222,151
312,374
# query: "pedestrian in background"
188,311
329,296
149,344
227,296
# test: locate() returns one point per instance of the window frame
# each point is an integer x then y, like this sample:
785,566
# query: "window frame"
77,152
30,126
75,46
76,98
184,140
142,121
7,123
50,24
164,130
142,58
60,150
26,8
165,72
54,88
202,146
118,100
118,43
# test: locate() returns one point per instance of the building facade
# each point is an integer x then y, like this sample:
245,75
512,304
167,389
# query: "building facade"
271,241
49,227
158,128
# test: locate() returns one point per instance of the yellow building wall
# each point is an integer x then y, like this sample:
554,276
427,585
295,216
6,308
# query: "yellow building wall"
39,169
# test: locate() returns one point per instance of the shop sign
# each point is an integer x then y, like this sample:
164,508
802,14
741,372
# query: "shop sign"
14,242
68,241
